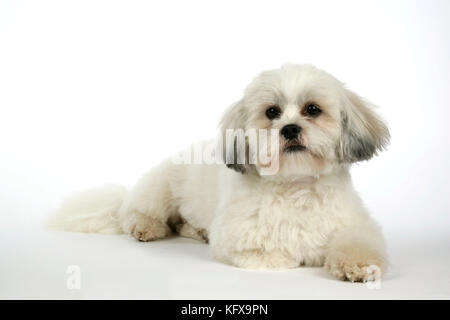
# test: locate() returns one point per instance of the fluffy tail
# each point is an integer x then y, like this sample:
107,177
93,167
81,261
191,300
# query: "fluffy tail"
91,211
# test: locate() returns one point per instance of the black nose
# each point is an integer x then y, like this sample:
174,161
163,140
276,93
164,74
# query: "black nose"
290,131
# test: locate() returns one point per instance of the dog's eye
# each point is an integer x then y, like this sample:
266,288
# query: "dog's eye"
312,110
273,112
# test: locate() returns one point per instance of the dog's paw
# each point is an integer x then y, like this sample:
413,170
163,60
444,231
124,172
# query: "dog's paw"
355,267
150,232
188,231
145,228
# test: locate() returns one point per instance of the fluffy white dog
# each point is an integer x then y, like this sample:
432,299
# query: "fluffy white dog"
304,213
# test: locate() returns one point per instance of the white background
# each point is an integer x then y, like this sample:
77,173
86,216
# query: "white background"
100,91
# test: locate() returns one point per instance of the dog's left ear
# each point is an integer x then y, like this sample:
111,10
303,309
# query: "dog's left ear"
364,133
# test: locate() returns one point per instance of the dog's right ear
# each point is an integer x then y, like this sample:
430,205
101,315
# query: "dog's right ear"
232,126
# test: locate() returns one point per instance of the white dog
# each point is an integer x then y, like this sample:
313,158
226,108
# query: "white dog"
305,213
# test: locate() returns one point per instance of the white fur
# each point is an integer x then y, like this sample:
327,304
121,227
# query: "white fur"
91,211
306,214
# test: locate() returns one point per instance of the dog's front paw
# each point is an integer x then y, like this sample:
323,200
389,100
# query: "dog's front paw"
355,266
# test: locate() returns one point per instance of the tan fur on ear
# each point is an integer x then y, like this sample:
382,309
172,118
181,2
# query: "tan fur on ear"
364,133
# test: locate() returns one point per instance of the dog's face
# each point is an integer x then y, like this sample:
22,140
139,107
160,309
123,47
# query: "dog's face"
321,124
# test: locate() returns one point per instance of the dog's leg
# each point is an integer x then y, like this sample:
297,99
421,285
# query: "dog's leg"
357,254
188,231
147,209
184,229
258,259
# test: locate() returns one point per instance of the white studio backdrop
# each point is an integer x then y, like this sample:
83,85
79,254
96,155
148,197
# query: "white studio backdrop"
100,91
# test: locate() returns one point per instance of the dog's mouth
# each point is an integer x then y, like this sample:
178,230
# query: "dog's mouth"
293,146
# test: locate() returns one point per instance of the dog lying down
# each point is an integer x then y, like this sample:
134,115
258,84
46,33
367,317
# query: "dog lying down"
277,193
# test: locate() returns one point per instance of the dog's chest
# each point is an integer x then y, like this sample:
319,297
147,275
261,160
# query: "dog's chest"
299,221
297,204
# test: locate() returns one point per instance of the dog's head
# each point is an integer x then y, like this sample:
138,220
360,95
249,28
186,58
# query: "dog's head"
321,124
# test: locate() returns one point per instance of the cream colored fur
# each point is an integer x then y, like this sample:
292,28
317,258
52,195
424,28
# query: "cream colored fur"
306,214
